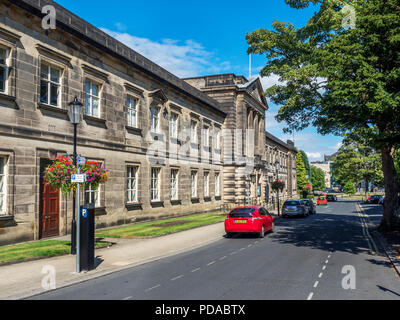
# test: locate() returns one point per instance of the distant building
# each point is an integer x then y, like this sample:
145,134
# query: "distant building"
326,167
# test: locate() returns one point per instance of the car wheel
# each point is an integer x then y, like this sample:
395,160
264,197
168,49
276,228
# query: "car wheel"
262,232
229,235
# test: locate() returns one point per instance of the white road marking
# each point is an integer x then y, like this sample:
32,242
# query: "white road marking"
250,245
176,278
327,261
127,298
316,284
320,275
329,256
242,249
155,287
233,253
224,257
195,270
324,267
310,296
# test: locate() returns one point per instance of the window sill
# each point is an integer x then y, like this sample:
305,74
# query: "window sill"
195,200
176,202
100,211
133,206
6,218
94,119
48,107
133,130
157,204
4,96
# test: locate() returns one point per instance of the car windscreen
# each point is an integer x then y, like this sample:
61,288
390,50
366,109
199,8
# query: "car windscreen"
242,213
292,203
322,199
305,202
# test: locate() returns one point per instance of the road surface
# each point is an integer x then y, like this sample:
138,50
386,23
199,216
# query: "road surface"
305,259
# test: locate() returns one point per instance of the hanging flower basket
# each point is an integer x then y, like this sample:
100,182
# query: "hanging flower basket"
58,174
278,185
308,188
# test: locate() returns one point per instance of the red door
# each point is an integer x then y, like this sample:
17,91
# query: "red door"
49,211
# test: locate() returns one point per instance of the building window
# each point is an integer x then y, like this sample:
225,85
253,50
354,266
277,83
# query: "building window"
217,139
173,125
131,184
206,136
50,84
194,184
3,69
174,184
154,119
217,184
131,112
92,196
206,184
193,132
155,184
3,185
92,99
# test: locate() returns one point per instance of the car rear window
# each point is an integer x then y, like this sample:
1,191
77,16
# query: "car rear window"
321,198
242,213
292,203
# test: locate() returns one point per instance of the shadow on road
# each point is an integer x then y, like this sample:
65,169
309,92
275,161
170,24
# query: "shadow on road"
339,231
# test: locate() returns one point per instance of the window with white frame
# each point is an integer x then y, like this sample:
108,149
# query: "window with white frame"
132,111
3,185
4,68
132,184
50,85
154,119
206,136
92,196
217,184
217,139
155,184
174,184
92,99
206,184
173,125
193,132
194,184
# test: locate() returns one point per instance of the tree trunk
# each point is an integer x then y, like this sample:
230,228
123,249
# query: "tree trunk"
391,190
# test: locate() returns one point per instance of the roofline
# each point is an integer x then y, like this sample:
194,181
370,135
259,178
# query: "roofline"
127,55
216,75
279,141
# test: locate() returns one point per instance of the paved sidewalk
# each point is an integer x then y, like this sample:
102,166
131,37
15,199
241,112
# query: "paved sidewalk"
23,280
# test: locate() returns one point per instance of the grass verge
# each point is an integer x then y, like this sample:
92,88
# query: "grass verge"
162,227
38,249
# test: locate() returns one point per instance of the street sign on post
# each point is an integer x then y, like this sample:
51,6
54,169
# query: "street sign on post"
81,160
78,178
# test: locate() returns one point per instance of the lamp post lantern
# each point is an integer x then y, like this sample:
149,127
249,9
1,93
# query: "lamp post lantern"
75,118
277,166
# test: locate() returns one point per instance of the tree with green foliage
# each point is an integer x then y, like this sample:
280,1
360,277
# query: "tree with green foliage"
397,163
349,188
301,173
306,162
340,77
356,162
318,178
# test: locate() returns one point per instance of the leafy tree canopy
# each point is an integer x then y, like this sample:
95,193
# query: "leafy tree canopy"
301,173
318,178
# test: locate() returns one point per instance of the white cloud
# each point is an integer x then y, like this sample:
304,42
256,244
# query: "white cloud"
314,155
184,59
270,81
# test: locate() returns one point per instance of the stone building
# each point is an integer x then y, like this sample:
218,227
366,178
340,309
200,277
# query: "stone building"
169,143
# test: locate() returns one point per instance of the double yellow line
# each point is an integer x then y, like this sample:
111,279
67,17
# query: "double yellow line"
371,243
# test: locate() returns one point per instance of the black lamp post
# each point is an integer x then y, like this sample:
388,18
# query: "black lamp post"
277,166
75,118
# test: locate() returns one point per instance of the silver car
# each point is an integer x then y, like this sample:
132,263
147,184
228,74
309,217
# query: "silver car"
293,208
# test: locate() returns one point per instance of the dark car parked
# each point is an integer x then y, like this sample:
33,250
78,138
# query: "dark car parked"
374,199
309,205
331,198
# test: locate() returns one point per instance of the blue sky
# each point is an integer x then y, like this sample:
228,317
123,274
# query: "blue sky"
192,38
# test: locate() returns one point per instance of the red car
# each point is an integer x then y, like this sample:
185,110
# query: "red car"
249,220
322,201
